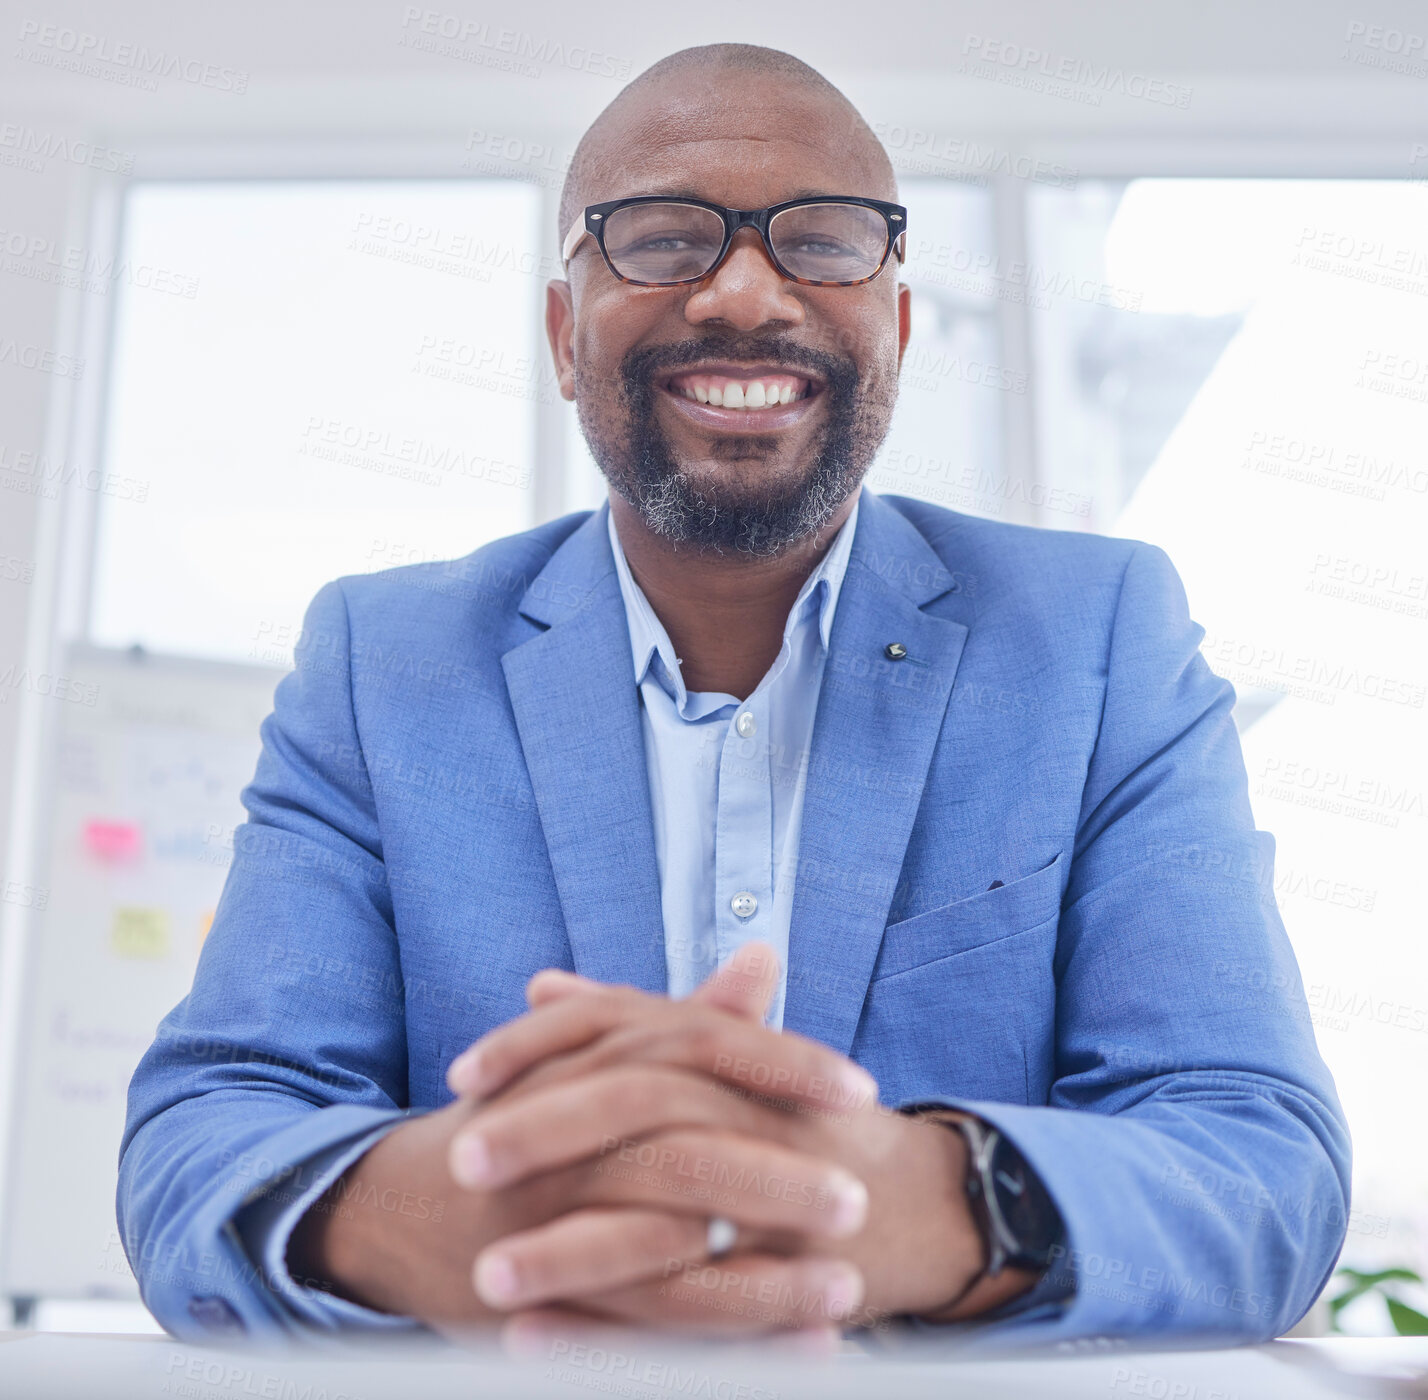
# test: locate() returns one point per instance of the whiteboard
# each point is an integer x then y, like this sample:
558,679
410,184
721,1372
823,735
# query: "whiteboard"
147,756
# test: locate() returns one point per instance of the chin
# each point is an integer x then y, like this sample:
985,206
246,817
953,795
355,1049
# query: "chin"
747,471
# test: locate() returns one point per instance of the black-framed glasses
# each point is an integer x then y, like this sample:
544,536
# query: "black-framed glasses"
653,240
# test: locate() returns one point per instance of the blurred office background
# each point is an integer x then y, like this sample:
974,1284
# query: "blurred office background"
271,298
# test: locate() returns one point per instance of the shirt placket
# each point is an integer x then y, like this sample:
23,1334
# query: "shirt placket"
743,847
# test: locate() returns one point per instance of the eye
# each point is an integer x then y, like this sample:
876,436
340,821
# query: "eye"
823,247
660,243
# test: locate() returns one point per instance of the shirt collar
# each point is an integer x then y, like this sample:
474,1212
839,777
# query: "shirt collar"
648,637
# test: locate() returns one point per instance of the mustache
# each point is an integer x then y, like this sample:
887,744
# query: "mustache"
642,366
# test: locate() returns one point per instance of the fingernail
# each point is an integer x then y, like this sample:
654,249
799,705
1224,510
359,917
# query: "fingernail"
756,958
463,1074
552,974
471,1162
858,1085
850,1205
842,1291
496,1280
552,983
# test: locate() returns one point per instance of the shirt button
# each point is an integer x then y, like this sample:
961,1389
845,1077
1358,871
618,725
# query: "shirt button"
746,724
744,904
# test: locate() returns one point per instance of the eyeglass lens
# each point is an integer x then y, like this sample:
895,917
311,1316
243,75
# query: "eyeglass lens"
674,242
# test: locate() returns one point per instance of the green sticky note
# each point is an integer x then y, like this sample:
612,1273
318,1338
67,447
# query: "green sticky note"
139,932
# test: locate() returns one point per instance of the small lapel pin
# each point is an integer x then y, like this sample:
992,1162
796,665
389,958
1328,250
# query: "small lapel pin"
895,651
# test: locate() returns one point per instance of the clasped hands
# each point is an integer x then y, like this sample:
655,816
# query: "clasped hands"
593,1139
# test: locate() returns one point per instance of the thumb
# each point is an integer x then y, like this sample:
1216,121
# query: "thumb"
744,984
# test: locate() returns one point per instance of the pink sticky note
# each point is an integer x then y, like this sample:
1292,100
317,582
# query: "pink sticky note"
113,841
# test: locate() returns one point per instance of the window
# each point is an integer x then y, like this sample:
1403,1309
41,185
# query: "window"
1233,369
1237,371
310,379
945,442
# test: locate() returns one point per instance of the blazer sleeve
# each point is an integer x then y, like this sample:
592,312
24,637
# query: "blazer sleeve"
292,1040
1193,1141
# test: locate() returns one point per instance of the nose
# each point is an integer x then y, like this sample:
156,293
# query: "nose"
746,290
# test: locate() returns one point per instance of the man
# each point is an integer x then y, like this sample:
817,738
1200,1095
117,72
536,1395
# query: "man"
901,897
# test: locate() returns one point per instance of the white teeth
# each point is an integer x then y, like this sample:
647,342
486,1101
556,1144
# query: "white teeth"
756,394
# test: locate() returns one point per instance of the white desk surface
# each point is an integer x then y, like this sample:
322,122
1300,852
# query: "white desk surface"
88,1366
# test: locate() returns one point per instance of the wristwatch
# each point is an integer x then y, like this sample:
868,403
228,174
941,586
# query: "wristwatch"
1016,1217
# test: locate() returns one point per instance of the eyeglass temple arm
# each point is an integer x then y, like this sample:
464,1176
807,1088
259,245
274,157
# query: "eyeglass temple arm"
572,240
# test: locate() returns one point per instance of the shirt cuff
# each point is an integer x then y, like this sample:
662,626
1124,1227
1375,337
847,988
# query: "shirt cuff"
265,1223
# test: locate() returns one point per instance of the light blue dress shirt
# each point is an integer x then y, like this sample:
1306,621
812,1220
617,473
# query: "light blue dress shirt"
727,778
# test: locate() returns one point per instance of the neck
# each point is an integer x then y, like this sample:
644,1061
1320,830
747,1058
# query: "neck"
725,613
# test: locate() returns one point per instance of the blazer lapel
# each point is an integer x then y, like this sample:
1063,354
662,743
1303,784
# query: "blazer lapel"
577,712
572,690
877,723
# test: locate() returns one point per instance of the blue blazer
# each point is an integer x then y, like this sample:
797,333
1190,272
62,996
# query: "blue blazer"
1029,884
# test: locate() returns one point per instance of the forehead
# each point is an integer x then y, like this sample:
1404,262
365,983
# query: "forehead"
736,139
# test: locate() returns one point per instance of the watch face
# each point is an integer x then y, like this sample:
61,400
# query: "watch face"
1028,1213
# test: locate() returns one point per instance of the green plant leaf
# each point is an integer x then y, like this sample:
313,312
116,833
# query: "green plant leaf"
1407,1322
1383,1276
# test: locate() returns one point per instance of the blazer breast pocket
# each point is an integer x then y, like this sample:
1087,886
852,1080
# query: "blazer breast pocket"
962,1001
969,923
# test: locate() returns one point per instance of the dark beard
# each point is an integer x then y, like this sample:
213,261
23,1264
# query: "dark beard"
765,522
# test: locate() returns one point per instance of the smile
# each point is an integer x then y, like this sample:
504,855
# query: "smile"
734,398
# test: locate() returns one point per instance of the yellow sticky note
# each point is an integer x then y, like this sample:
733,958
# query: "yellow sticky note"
140,932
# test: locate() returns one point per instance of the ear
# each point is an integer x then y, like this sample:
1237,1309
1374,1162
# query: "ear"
560,331
904,319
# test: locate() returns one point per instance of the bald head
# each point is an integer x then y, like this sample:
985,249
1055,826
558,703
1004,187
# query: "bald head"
688,98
